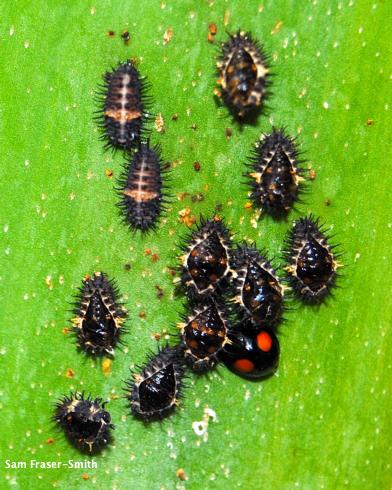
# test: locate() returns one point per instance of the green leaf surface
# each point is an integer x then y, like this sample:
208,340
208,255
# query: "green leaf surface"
324,420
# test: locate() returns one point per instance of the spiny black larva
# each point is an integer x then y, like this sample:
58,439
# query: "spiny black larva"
85,421
154,392
243,74
276,176
99,315
203,334
257,292
206,259
312,261
141,189
123,112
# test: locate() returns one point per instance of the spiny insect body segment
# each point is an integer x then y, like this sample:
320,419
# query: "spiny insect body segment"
243,74
204,334
251,355
141,189
155,391
85,421
123,112
258,293
275,177
100,316
312,263
207,259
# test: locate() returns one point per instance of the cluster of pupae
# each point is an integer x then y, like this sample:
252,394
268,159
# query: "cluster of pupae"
235,299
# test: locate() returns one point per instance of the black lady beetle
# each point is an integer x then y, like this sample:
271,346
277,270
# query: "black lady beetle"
276,176
258,291
85,421
312,263
251,355
123,111
154,392
141,189
206,260
204,334
99,315
243,74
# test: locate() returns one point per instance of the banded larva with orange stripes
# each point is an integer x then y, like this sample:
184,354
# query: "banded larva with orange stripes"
142,190
122,115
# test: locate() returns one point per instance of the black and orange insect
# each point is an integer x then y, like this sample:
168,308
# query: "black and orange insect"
312,261
85,421
206,261
258,293
141,188
275,175
154,392
243,74
99,318
251,355
204,334
123,113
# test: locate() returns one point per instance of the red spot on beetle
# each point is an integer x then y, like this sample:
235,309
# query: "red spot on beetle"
264,341
244,365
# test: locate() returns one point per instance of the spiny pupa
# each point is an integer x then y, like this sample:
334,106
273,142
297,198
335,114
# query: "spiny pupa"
204,334
258,293
206,261
312,261
99,315
276,176
243,74
85,421
154,392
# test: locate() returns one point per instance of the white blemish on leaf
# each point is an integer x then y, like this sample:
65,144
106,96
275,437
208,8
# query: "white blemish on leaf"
210,413
49,282
200,428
